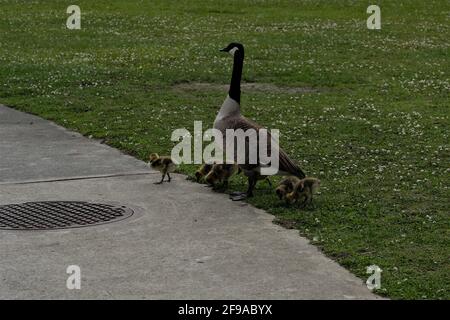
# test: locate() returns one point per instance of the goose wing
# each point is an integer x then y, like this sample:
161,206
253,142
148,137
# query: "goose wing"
286,164
243,123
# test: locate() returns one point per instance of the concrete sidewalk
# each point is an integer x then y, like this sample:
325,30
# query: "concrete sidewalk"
185,242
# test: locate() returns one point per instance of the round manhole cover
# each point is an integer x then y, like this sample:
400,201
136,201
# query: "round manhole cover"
59,215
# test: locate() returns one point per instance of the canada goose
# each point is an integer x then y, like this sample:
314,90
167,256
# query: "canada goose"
220,173
286,186
305,189
163,164
203,171
229,117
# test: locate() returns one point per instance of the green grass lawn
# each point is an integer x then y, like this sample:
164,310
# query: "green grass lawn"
375,129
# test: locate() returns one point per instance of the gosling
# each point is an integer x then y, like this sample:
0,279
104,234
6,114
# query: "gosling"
303,191
286,186
203,171
221,173
163,164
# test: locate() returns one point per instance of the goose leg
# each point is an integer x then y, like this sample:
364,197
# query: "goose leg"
238,196
251,185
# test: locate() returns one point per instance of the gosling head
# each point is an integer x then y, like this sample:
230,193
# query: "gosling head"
291,197
234,47
211,178
281,192
214,175
203,171
198,176
153,157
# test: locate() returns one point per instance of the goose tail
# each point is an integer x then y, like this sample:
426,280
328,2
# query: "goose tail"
287,165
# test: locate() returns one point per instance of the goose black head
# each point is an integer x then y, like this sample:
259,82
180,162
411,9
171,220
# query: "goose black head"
233,47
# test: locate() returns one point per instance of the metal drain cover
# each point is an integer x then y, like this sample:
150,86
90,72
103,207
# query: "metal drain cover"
59,215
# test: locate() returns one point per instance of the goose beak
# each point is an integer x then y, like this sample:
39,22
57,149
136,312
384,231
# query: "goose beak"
223,50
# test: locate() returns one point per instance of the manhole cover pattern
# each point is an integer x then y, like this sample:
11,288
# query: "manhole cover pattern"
59,215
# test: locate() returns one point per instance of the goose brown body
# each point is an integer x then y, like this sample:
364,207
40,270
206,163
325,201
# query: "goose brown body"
230,117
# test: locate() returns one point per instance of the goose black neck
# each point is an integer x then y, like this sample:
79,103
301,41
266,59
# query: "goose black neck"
235,85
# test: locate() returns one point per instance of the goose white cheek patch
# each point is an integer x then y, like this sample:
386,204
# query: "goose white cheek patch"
233,51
